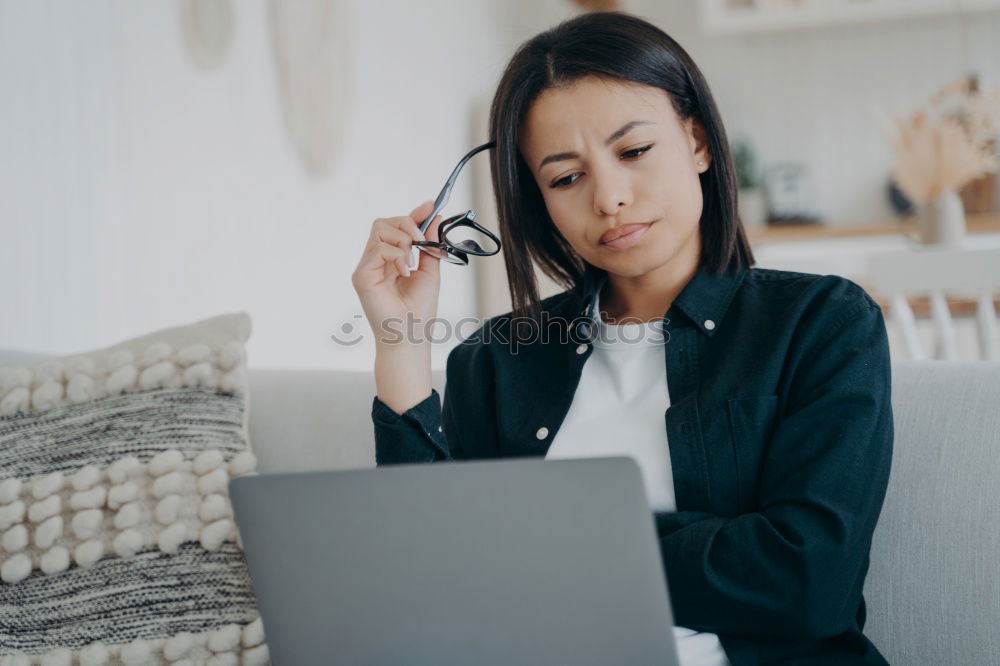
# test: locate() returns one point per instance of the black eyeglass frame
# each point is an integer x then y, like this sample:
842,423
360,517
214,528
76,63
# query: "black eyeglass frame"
456,253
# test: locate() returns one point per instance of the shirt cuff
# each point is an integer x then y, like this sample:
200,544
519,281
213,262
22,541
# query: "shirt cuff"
416,435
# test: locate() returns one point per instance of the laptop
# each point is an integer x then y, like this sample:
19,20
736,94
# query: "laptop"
511,561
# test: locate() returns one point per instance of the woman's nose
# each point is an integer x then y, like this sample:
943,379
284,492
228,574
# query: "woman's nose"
612,190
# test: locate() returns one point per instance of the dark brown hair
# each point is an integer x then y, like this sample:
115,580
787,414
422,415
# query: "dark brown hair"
615,46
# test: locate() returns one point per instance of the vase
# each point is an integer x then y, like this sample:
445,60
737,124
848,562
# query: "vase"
942,221
752,207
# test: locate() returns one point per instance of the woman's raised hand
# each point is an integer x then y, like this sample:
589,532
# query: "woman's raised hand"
388,290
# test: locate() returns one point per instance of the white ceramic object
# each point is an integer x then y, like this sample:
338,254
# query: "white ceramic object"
942,221
752,207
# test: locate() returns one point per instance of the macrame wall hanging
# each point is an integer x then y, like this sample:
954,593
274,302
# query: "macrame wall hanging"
208,27
313,49
312,43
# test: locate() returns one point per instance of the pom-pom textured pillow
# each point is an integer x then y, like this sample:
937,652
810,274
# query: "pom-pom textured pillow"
117,539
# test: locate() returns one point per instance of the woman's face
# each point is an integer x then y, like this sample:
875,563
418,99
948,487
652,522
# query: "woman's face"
612,156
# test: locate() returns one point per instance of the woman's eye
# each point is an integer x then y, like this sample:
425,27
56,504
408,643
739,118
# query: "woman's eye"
637,151
630,154
563,182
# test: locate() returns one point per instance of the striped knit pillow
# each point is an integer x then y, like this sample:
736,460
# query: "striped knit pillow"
117,541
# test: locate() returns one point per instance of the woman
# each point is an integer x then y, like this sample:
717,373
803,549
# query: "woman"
612,172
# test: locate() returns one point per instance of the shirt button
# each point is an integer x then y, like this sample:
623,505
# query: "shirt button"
542,433
440,429
709,324
582,349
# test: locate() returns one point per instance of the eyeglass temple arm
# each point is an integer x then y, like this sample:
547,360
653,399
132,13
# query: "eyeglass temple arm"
442,198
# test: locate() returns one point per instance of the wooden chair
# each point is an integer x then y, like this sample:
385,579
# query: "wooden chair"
938,273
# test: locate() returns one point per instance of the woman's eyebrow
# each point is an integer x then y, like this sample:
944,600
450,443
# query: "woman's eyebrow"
619,133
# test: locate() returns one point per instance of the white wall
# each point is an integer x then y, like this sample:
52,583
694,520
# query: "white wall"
140,191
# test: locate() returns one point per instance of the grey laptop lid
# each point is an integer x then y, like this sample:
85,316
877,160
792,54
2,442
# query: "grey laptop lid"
514,561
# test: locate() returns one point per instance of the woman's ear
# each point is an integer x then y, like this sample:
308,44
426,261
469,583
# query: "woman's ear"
698,139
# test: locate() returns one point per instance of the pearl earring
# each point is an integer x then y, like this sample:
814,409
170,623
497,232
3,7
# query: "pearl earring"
701,164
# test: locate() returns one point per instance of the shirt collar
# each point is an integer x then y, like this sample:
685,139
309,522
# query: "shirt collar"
704,299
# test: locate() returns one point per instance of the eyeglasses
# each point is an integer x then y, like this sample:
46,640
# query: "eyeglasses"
460,235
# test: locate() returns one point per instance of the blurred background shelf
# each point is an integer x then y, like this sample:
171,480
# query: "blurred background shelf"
975,224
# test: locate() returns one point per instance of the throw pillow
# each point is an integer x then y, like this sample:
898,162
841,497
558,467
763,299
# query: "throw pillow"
117,539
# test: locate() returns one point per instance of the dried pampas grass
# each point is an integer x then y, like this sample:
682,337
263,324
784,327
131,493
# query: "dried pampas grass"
945,148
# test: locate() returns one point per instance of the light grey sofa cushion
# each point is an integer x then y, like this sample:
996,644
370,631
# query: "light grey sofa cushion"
933,589
18,356
314,419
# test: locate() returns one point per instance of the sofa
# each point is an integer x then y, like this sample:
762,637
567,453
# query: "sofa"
933,588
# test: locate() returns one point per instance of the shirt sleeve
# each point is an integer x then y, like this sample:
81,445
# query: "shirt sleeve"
792,568
463,428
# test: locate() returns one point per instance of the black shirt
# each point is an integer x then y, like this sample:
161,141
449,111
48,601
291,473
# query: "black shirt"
780,435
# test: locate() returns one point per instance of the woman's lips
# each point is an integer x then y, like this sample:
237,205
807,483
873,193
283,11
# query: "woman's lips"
632,234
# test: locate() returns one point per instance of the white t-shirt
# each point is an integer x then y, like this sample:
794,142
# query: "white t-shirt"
618,410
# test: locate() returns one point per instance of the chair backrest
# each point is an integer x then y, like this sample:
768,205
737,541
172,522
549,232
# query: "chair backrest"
936,273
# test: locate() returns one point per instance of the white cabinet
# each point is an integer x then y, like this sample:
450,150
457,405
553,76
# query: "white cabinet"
722,17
